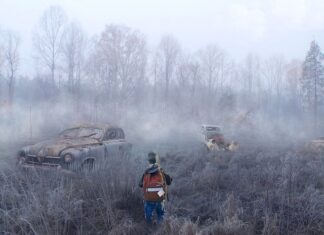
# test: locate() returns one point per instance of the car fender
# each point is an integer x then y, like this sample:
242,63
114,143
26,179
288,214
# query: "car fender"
115,147
82,154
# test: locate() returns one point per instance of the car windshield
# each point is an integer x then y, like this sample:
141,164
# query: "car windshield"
95,133
213,128
212,134
69,133
91,132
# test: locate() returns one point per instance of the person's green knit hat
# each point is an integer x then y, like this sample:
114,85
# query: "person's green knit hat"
152,157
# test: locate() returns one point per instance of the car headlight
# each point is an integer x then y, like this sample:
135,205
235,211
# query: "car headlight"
21,160
21,153
68,158
21,156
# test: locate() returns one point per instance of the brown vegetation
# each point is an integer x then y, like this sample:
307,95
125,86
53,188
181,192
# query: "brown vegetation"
255,191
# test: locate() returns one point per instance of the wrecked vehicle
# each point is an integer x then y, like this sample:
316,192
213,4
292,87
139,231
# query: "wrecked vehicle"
316,145
77,148
214,140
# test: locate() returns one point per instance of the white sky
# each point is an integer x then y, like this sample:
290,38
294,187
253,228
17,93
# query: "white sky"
264,27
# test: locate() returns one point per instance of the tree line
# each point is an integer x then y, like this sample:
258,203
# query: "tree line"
117,70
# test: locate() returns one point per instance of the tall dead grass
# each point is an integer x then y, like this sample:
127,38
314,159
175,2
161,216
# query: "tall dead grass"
254,191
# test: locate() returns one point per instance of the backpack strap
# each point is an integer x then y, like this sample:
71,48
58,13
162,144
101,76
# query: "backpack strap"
166,177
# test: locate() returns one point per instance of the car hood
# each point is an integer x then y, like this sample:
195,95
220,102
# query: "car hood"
56,146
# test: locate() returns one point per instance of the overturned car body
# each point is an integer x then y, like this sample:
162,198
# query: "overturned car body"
214,140
76,148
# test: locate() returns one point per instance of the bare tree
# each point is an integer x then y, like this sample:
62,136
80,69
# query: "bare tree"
293,75
73,48
195,75
73,52
213,69
48,36
93,63
188,78
168,52
274,72
11,61
123,56
155,73
251,73
183,72
212,61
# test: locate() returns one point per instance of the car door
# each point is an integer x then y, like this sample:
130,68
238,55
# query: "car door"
111,141
124,146
115,142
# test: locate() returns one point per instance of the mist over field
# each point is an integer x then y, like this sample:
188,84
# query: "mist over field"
225,68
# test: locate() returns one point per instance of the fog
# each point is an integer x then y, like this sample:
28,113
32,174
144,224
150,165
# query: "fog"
184,67
160,70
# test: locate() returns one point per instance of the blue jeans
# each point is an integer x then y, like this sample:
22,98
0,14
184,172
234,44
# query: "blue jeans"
150,207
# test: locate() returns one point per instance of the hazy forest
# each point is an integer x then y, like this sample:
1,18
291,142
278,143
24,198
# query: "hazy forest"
161,94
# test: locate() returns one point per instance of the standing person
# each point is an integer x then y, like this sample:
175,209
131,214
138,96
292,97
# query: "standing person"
154,183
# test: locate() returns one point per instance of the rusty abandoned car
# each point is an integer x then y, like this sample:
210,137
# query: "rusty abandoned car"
77,148
213,139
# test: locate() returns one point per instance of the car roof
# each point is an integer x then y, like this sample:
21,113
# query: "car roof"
207,125
103,126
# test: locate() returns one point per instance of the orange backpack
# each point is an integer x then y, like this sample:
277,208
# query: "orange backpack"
154,187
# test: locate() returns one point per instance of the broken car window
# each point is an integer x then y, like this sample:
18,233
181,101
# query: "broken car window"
70,133
91,132
95,133
121,134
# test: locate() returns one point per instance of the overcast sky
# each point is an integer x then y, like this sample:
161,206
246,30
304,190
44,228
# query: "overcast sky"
264,27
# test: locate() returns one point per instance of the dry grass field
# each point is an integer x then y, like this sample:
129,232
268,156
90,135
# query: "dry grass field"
258,190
